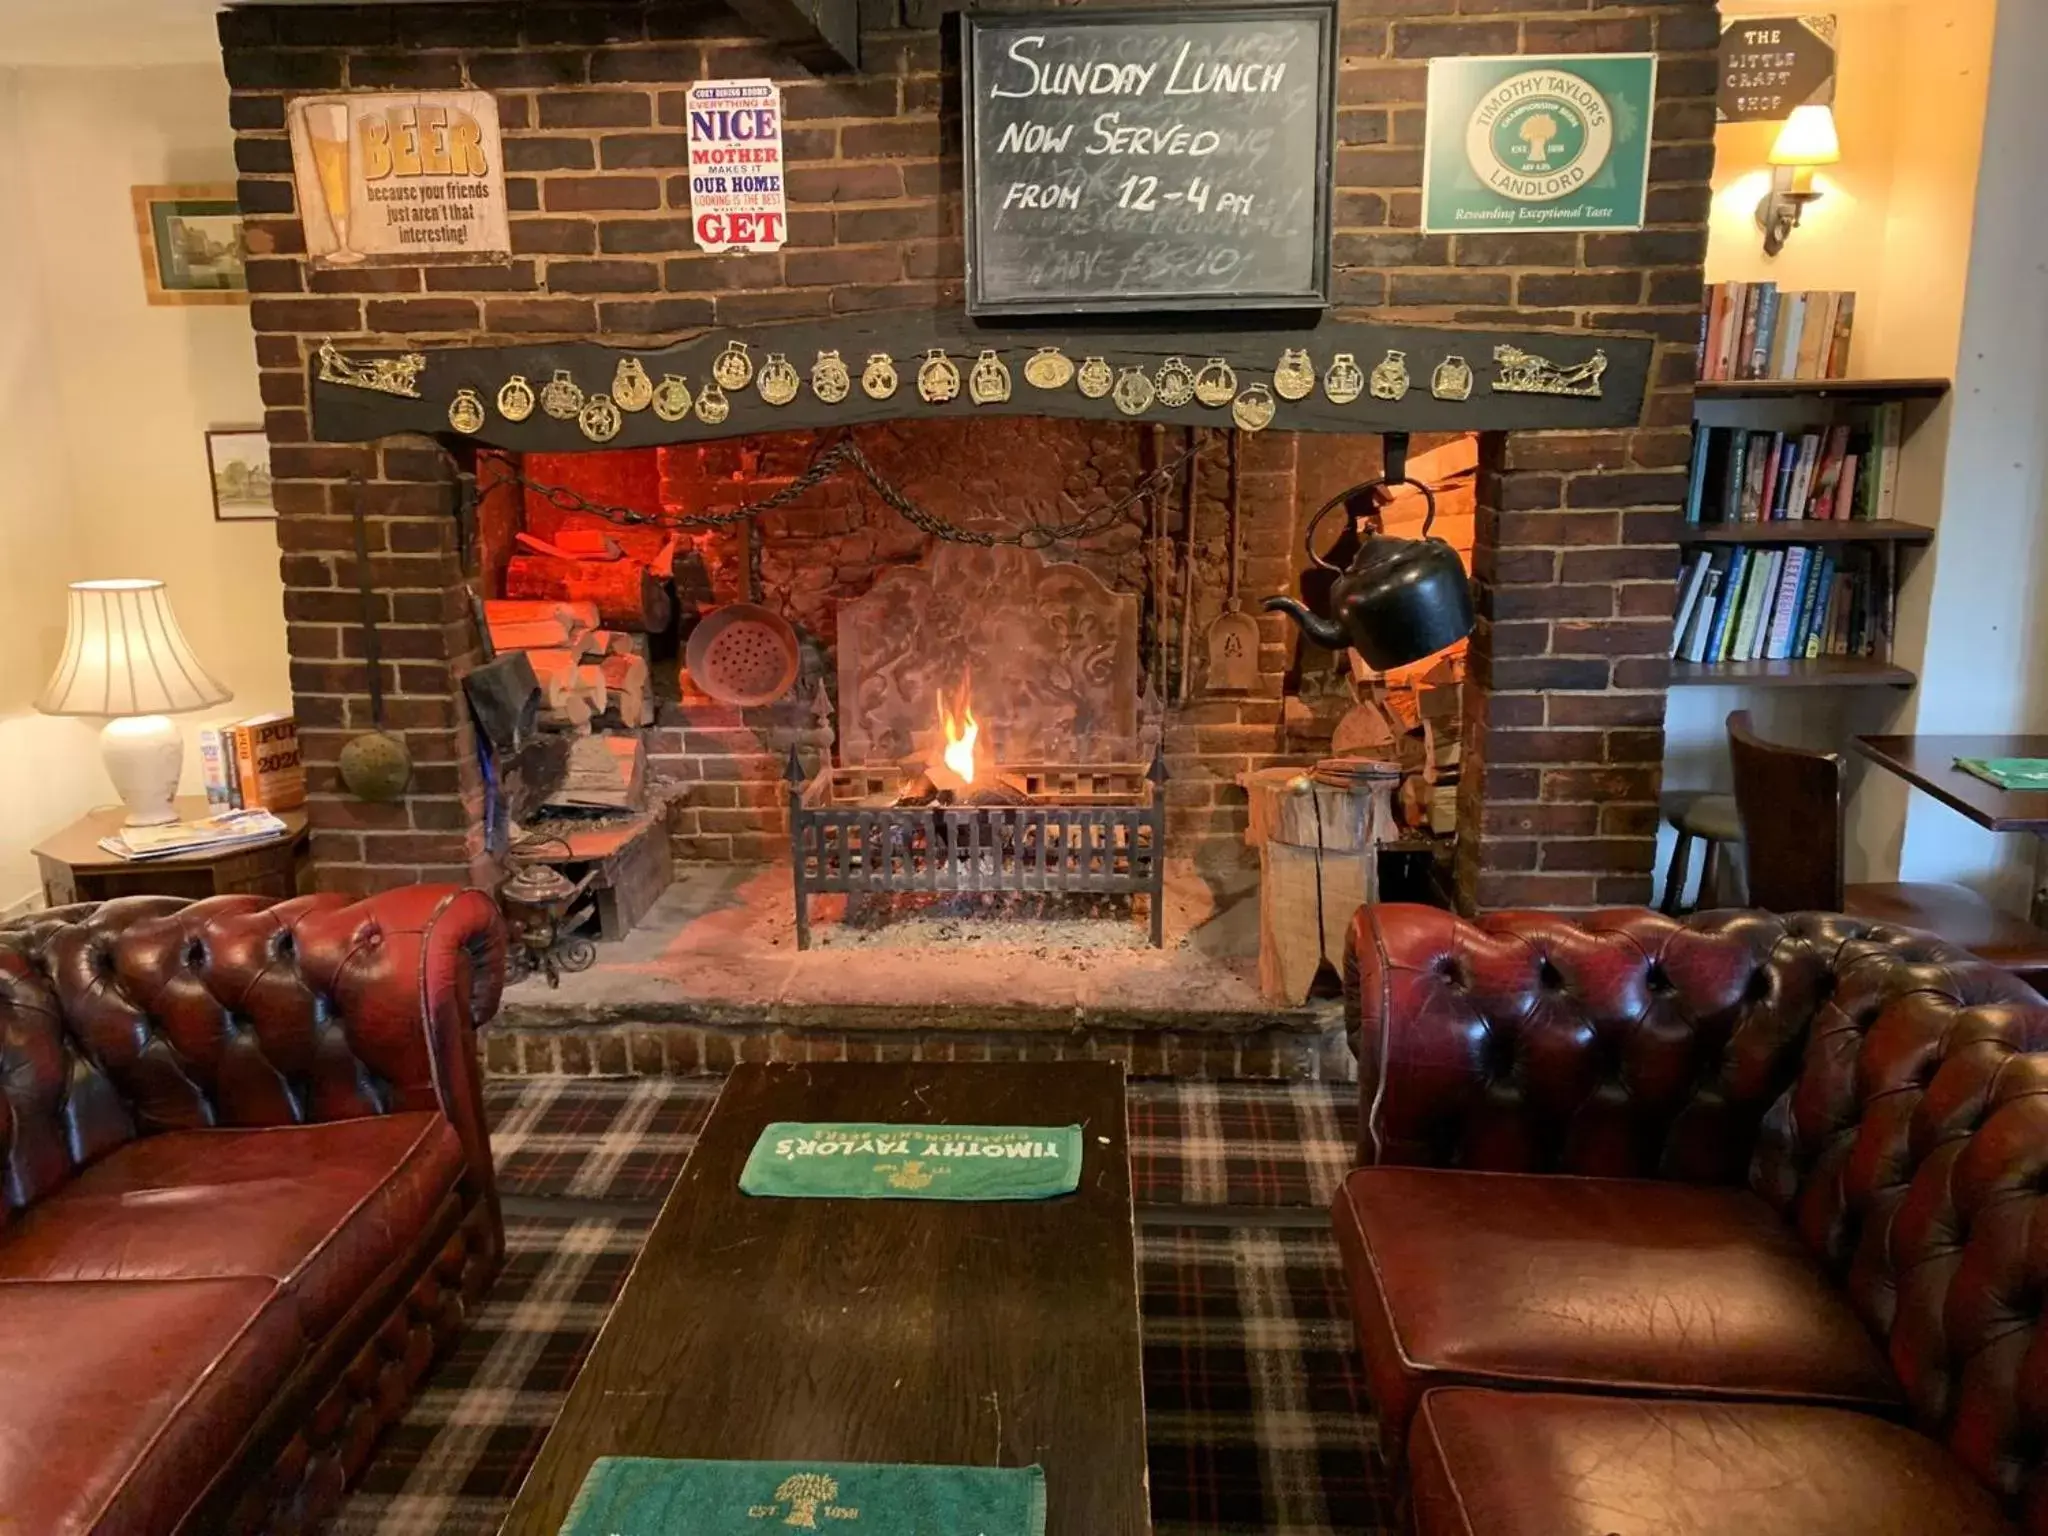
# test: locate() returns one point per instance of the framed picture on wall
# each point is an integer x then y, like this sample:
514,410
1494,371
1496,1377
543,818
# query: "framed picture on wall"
238,459
191,242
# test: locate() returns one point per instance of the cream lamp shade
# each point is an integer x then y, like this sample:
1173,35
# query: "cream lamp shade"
125,658
1808,138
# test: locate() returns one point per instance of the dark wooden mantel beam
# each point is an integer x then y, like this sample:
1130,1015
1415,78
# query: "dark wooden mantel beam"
824,33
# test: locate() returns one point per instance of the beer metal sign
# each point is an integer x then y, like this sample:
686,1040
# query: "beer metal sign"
400,178
736,194
1537,143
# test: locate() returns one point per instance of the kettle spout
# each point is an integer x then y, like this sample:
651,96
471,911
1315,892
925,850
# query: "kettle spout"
1323,631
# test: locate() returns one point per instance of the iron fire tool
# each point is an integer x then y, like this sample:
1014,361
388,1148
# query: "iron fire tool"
376,765
1402,599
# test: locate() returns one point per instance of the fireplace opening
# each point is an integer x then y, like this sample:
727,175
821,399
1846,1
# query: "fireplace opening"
897,685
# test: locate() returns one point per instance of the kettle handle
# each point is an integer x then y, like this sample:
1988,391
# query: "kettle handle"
1308,536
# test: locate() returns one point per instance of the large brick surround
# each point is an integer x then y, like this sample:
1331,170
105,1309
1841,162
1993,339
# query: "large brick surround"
1573,555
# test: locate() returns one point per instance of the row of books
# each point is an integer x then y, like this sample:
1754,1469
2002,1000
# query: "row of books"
1752,331
1800,602
228,829
1742,475
253,764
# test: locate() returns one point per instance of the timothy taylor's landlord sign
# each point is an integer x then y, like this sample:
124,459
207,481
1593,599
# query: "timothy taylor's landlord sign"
736,200
400,178
1538,143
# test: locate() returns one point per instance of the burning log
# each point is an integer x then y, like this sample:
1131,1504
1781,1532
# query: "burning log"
625,593
921,791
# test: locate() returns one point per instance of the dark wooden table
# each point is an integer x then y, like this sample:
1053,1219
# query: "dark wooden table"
1928,763
76,868
933,1331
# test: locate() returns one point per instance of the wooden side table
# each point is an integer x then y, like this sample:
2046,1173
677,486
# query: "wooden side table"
76,868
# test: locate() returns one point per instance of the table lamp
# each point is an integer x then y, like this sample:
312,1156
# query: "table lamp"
125,658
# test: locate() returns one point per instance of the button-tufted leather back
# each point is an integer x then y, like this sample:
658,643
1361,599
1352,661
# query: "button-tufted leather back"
1626,1044
152,1013
1883,1089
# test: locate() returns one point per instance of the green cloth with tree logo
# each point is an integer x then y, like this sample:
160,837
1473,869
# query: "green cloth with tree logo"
914,1162
649,1496
2008,772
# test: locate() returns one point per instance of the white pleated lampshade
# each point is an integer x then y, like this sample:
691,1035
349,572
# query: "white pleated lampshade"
125,655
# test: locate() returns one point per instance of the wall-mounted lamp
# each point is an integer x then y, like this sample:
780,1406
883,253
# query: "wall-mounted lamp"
1807,139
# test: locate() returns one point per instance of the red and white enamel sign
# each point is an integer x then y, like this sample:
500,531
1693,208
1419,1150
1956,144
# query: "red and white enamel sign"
736,198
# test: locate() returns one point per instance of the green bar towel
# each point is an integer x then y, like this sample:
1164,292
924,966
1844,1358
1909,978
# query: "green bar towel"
914,1162
647,1496
2008,772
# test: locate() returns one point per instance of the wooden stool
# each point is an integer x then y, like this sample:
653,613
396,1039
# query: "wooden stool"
1713,820
1318,833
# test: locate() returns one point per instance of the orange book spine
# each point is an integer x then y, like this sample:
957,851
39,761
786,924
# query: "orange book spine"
244,753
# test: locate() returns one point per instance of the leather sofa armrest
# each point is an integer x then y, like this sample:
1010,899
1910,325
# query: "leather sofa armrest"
1625,1044
411,973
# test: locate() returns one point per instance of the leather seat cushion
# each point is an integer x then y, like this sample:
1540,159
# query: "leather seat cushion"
1555,1464
124,1399
1616,1285
320,1210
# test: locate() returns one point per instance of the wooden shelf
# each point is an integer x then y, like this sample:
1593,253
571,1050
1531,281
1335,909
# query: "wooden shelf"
1811,530
1799,389
1821,672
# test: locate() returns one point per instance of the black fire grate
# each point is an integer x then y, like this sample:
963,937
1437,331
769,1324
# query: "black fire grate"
1093,828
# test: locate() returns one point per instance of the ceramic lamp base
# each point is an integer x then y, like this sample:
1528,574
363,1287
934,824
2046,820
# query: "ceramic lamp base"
145,755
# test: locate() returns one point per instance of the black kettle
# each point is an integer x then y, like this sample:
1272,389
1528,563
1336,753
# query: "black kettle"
1402,599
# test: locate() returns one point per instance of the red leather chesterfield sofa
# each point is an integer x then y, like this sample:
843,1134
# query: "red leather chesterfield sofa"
1730,1226
247,1195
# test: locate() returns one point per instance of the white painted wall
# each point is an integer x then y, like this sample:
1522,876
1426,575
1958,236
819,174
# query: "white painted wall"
40,758
1986,634
103,403
1893,224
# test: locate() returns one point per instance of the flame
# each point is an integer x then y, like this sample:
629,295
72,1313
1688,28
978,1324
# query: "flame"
961,732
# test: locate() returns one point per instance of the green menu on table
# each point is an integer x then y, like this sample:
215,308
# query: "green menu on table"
650,1496
820,1161
2008,772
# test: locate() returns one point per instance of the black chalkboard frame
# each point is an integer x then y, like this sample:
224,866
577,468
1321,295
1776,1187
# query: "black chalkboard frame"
1315,296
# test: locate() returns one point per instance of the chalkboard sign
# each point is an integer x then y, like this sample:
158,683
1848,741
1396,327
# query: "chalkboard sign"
1771,64
1169,159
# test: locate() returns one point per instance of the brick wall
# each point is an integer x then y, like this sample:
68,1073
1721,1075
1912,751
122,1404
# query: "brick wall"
1574,553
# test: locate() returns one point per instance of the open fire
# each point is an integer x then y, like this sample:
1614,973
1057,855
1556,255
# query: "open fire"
961,731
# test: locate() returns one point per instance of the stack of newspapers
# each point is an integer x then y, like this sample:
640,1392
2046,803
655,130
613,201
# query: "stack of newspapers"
207,835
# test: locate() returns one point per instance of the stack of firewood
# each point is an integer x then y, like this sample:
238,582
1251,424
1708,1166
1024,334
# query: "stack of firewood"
583,667
587,565
1415,721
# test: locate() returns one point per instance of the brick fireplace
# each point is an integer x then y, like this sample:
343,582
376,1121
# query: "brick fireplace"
1571,543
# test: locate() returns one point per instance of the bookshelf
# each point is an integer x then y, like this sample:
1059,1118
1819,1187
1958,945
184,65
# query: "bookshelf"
1808,531
1820,672
1821,389
1786,409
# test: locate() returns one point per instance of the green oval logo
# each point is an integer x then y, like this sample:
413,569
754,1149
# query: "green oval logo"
1540,135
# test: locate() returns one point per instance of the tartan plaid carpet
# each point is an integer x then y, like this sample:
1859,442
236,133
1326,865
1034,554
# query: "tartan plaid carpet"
1191,1143
1255,1409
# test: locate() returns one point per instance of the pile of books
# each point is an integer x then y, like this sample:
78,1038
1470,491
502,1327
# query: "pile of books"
253,763
1744,476
1739,603
1752,331
228,830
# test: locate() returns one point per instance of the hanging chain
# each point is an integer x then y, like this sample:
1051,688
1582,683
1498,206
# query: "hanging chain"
846,454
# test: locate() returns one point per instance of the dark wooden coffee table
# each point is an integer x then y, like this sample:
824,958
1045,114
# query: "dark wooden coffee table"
880,1330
